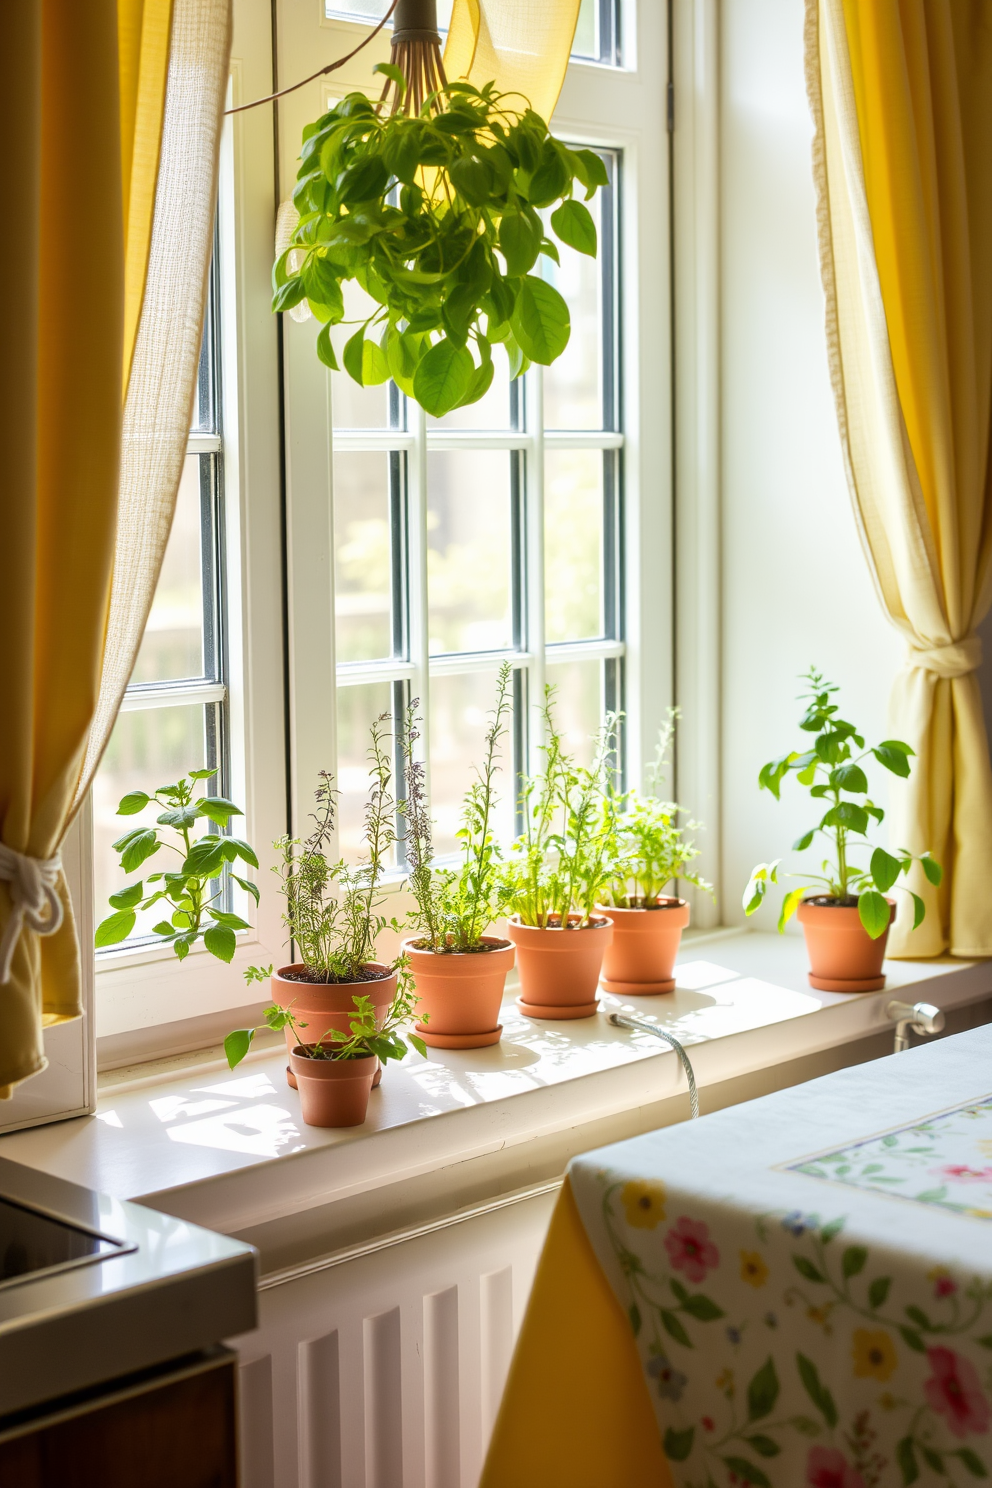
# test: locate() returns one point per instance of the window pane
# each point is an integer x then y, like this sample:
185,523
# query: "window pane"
461,712
573,544
358,707
468,521
492,411
173,642
374,10
147,749
586,41
578,704
362,556
573,385
354,407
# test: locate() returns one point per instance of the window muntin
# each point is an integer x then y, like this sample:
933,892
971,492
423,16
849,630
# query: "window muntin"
174,714
498,477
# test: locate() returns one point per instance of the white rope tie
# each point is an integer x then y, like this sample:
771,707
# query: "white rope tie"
33,890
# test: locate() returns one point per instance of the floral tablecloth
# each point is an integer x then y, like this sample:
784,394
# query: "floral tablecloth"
809,1277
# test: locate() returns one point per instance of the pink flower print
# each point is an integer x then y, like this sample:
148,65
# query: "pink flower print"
828,1468
954,1391
962,1173
944,1284
690,1248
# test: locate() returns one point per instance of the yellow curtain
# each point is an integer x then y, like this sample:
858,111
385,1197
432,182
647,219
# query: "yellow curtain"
575,1412
901,92
522,45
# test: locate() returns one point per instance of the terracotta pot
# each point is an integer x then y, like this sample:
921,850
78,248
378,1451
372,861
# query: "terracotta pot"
842,955
324,1005
461,993
559,969
333,1092
640,959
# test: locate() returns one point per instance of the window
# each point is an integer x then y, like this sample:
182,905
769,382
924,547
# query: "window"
174,716
597,34
492,534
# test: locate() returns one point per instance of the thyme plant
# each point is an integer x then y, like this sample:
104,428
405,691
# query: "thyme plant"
832,771
454,907
436,214
648,846
332,906
559,865
197,886
365,1036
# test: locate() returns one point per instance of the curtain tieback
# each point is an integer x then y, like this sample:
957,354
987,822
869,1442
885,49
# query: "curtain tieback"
954,660
33,890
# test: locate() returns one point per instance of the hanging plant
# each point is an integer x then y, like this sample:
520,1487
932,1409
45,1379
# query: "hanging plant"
435,210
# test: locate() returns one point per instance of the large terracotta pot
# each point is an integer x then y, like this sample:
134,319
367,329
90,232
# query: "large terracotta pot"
640,958
324,1005
460,992
333,1092
559,969
842,955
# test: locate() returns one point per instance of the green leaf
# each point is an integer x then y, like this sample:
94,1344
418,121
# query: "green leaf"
807,1269
874,913
762,1392
913,1340
132,802
574,224
906,1458
473,179
885,869
221,942
519,242
893,759
971,1461
830,1230
933,1459
127,898
247,885
115,928
142,846
418,1044
443,377
362,182
634,1313
181,946
932,869
164,928
203,774
674,1328
325,349
590,169
853,1260
985,1340
763,1445
288,295
678,1444
878,1291
550,180
849,778
817,1391
919,910
237,1044
747,1471
790,904
182,816
918,1316
205,858
392,72
540,321
702,1309
847,814
223,917
897,744
239,849
354,358
803,842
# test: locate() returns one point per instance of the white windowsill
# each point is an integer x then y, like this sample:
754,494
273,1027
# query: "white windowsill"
228,1149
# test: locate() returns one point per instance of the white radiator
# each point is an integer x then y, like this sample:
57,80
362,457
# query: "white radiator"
384,1369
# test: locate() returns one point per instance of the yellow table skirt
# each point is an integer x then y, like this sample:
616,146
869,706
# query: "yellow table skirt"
575,1411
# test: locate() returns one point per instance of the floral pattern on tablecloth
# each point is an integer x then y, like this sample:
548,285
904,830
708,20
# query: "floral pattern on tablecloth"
945,1160
799,1358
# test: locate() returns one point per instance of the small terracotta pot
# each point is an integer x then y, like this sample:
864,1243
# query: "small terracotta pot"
640,958
324,1005
842,955
460,992
333,1092
559,969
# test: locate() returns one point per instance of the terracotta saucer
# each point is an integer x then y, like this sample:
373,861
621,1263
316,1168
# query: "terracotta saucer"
837,984
636,989
557,1011
460,1040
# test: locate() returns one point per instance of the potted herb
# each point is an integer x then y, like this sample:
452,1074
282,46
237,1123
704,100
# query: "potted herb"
332,910
555,876
191,892
459,970
335,1072
648,850
846,918
434,209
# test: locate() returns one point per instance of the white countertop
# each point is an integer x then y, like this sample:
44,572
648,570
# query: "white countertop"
228,1149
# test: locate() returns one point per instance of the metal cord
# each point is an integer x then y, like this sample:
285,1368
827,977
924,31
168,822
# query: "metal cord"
624,1020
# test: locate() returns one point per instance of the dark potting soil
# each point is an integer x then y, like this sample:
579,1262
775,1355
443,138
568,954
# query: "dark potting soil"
315,978
849,901
500,945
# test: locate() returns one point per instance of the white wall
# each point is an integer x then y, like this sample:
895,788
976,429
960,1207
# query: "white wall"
796,588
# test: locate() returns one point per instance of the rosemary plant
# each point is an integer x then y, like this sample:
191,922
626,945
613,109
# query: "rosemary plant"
454,907
560,864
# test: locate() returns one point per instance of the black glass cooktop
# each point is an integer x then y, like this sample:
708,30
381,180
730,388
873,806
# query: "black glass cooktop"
32,1242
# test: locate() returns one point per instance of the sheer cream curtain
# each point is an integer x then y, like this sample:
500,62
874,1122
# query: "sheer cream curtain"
902,102
520,45
106,272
